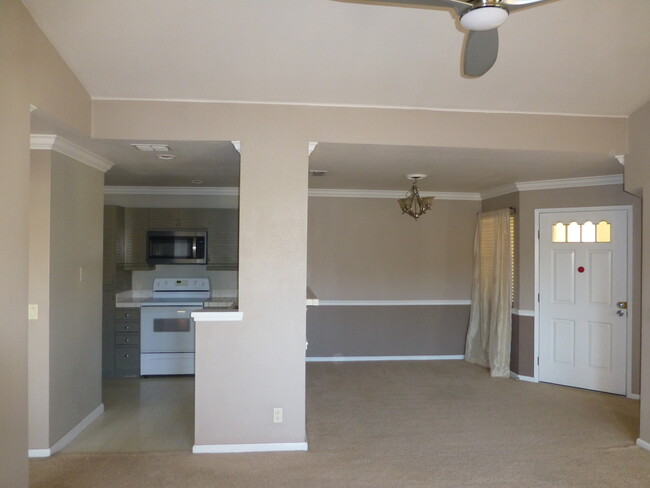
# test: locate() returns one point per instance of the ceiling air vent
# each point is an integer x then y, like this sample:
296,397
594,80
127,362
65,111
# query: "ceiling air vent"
151,147
317,172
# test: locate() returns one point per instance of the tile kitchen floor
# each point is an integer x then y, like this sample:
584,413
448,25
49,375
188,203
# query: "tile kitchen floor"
142,414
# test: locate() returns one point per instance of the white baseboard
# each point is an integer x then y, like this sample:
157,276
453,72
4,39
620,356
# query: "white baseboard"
643,444
39,453
66,439
519,377
235,448
633,396
340,359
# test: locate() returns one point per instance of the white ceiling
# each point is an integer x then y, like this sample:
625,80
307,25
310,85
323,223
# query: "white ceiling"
587,57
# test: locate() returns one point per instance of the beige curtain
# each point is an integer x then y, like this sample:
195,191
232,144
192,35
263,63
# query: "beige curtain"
490,323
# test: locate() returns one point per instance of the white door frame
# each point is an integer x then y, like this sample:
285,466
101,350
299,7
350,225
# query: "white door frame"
630,262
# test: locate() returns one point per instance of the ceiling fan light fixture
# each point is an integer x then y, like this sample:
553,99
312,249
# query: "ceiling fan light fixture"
484,18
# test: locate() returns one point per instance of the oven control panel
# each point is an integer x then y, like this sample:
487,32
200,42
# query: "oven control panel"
181,284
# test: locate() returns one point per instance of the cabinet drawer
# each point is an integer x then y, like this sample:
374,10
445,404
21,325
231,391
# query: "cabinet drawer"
124,326
127,360
127,339
127,314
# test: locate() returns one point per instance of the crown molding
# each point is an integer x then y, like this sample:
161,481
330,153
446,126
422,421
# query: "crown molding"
51,142
499,190
570,182
171,190
392,194
552,185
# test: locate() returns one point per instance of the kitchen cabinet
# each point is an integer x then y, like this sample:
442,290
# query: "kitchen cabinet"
136,224
108,333
113,244
176,218
223,238
127,342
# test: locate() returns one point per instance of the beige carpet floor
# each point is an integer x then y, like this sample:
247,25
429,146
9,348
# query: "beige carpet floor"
406,424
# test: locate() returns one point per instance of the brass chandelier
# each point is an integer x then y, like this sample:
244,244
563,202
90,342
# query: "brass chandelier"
413,204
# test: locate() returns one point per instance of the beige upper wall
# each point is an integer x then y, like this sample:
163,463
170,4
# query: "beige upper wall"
65,240
39,293
365,249
32,73
114,119
637,177
76,250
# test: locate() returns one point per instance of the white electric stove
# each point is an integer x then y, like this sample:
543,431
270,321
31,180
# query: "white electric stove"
167,329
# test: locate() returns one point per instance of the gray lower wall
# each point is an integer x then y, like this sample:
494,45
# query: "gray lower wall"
522,351
402,330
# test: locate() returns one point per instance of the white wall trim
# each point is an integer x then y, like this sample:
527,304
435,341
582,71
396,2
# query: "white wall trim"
352,193
390,303
39,453
523,313
340,359
218,316
552,184
519,377
237,448
169,190
392,194
570,182
643,444
51,142
633,396
499,190
67,438
354,105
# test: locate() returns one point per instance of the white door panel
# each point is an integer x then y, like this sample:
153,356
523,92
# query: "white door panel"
582,337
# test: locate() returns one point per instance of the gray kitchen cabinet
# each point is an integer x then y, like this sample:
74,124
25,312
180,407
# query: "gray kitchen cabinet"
108,333
113,244
223,238
127,342
136,224
176,218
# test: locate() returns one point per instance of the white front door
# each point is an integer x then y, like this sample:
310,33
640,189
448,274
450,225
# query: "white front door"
582,279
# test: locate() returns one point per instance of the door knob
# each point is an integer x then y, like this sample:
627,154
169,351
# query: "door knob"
622,305
620,313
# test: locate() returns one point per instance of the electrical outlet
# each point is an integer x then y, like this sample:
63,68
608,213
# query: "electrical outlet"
32,311
277,415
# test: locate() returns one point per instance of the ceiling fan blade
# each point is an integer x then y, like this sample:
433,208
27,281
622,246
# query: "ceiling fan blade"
481,50
513,5
459,5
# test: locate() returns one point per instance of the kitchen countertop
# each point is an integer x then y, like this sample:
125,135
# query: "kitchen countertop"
135,299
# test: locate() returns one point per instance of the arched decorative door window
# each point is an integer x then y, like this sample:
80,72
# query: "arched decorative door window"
586,232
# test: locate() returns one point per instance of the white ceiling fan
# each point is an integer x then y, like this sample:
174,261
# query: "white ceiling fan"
481,18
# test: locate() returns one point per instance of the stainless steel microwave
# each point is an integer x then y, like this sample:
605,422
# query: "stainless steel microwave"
177,247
